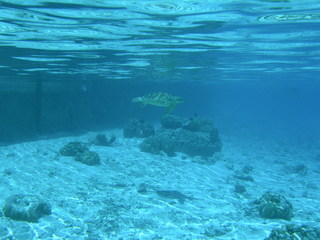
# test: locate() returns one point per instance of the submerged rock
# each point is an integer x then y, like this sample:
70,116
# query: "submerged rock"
239,188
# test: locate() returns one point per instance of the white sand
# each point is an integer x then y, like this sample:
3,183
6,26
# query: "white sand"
103,202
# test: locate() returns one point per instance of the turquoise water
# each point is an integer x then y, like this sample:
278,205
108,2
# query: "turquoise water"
163,41
112,51
70,69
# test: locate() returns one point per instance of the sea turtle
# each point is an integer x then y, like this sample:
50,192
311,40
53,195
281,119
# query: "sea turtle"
159,99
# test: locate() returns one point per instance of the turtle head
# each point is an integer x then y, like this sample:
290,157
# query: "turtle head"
137,99
179,100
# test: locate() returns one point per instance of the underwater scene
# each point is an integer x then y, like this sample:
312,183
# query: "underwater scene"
159,120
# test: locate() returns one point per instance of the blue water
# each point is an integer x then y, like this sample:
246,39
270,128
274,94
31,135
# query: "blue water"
69,67
256,59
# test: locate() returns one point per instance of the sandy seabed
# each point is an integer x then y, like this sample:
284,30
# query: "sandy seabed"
118,199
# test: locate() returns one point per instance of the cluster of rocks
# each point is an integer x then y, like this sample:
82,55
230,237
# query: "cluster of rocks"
194,136
81,153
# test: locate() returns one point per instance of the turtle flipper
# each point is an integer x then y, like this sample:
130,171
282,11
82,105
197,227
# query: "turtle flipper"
169,109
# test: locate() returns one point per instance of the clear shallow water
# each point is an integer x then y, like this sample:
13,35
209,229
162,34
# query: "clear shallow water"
243,60
71,68
163,41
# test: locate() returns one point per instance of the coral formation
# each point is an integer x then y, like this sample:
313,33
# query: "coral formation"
274,206
101,140
194,124
26,208
214,138
81,153
89,158
138,128
197,124
291,231
202,139
171,141
73,149
172,121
